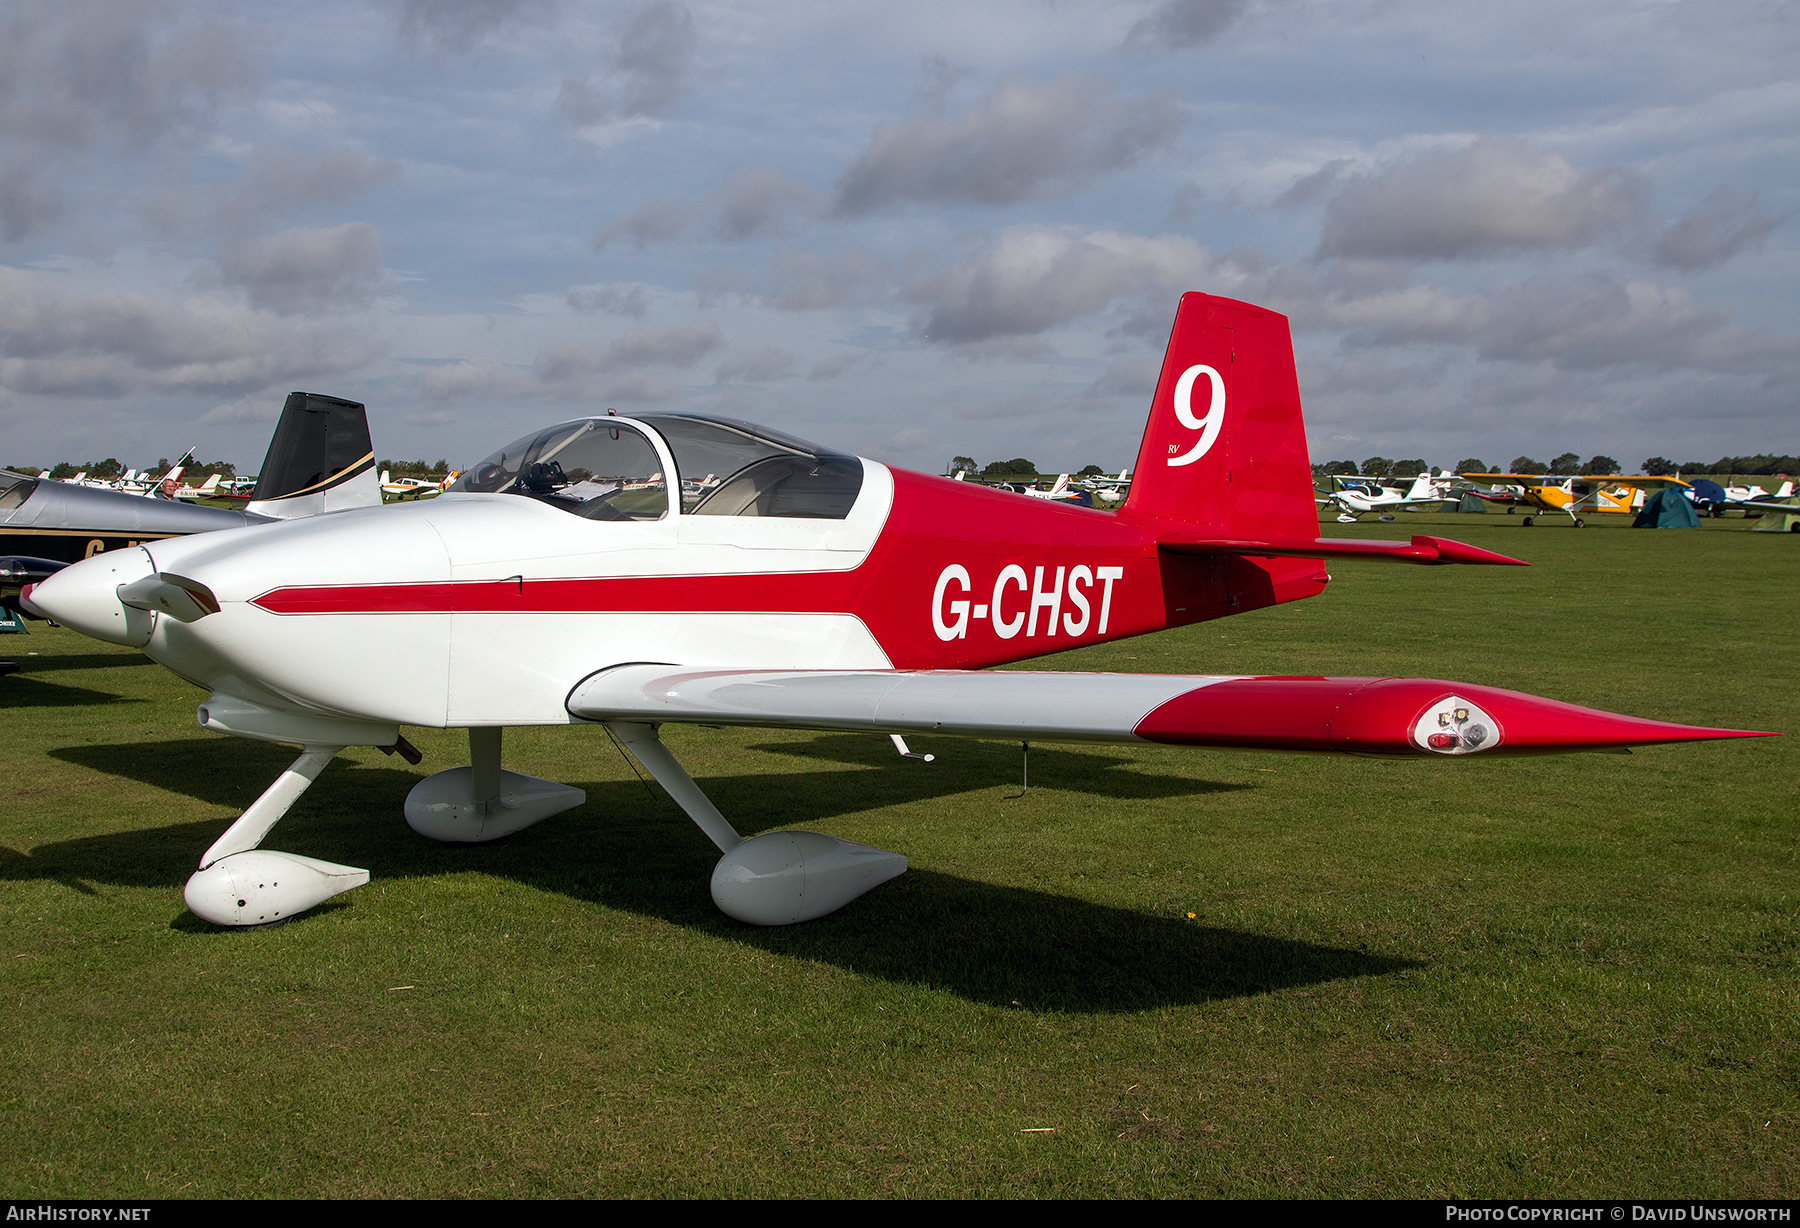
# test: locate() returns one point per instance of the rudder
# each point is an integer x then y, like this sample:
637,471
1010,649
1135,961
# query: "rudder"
321,459
1225,447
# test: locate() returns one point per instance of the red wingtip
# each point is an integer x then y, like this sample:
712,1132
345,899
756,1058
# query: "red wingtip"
1389,716
1461,552
1526,724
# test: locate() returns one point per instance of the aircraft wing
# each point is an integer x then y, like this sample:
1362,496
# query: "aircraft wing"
1552,479
1385,716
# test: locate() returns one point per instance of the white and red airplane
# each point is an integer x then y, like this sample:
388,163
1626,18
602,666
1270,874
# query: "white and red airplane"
573,577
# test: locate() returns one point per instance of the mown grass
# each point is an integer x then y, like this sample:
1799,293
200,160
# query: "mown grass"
1566,976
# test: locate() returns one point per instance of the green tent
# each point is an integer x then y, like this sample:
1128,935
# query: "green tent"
1779,522
1666,509
1471,503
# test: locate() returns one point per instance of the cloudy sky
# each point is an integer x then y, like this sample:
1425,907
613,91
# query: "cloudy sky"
913,230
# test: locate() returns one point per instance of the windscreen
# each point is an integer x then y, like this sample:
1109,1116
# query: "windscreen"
596,467
15,488
730,468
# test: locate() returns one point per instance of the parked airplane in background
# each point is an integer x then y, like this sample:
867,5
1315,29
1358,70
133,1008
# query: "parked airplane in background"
1751,500
45,524
571,578
413,488
206,490
1111,489
1355,498
1612,494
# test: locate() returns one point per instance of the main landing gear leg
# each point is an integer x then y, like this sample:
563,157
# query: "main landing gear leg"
779,877
482,802
240,884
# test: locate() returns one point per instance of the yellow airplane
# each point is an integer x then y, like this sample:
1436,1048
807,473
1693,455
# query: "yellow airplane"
1611,494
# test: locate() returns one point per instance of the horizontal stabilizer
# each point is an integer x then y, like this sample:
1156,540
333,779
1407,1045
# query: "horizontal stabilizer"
1420,549
1382,716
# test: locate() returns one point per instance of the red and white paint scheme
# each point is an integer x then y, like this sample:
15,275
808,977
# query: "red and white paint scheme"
603,570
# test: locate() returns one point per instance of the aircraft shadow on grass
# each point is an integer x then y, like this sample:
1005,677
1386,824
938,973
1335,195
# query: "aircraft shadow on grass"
23,691
45,663
635,851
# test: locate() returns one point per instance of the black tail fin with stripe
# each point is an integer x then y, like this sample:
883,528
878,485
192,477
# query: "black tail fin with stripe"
320,460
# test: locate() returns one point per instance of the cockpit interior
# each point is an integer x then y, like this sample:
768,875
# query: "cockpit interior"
608,469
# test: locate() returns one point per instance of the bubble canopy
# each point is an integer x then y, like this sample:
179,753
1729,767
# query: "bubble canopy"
608,469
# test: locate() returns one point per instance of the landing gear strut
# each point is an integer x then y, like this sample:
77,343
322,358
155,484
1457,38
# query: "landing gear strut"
240,884
482,802
779,877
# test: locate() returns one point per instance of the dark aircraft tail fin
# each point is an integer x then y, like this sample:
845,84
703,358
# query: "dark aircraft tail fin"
1225,449
321,460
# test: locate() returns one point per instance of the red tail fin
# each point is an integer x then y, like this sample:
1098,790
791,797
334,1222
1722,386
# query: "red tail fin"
1225,449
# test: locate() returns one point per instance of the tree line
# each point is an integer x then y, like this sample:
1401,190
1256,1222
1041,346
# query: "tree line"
196,472
1017,467
1569,464
110,468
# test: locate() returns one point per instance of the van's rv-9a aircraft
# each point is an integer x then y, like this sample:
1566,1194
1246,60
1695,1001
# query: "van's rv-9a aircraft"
575,577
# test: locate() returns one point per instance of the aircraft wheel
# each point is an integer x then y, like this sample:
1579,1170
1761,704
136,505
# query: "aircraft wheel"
1384,518
1525,523
1580,523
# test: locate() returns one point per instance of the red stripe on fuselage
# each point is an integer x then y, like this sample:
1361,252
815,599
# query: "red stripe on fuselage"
783,593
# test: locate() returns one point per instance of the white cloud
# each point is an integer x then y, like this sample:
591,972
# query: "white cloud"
656,49
675,345
1175,25
759,366
1714,231
758,201
120,343
1573,322
613,300
645,74
76,75
835,366
1028,280
459,26
306,272
814,281
580,372
654,221
1021,141
258,407
278,181
1495,196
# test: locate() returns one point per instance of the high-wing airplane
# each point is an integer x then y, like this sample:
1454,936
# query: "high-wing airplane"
1353,501
1612,494
574,577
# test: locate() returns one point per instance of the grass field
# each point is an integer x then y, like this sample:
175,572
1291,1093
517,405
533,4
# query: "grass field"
1162,973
